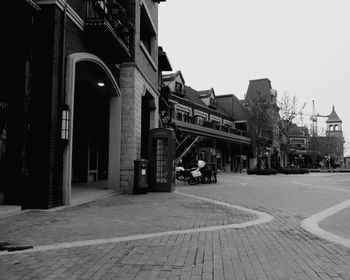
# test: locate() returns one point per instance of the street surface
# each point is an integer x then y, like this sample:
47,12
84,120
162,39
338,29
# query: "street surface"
174,236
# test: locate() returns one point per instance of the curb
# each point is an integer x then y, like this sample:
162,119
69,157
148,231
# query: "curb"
311,224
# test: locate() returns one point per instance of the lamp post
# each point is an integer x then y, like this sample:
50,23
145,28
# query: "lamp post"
65,124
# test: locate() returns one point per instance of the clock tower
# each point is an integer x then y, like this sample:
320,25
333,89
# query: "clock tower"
334,125
334,130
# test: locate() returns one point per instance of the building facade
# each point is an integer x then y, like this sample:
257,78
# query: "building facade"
264,127
335,131
298,153
312,151
79,97
204,130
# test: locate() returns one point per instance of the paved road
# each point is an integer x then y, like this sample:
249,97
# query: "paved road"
293,195
279,249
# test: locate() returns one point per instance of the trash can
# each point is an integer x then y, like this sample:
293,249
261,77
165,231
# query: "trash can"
140,176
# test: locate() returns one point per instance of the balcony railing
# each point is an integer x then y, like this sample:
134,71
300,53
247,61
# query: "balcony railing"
110,16
212,125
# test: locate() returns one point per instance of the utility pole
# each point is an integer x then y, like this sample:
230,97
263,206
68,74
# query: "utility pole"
313,118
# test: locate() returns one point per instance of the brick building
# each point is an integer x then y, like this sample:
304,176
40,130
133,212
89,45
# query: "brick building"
203,126
297,153
79,96
261,92
335,132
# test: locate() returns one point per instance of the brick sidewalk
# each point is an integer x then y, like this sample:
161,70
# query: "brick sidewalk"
116,216
280,249
270,251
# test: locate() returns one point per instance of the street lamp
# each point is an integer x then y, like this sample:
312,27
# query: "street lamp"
65,124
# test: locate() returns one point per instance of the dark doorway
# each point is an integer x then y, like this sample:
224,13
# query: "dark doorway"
3,137
91,128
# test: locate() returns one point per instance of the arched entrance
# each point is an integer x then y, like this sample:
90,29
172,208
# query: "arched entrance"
92,155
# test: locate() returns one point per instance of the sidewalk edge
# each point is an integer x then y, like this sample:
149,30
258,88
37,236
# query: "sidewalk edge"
311,224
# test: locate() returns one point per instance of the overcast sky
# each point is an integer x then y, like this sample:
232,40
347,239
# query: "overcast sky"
302,46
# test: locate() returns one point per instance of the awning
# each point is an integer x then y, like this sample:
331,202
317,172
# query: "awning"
211,133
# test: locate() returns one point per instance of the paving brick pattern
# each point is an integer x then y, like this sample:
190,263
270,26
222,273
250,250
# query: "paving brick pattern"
121,215
277,250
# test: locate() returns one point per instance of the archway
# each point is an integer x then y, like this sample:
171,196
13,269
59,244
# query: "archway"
93,151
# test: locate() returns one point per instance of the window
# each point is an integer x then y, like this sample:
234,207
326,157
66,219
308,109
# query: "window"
183,116
201,156
228,123
147,32
212,102
178,87
215,119
298,143
200,120
336,127
216,124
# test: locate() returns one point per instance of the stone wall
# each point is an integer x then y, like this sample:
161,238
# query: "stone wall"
133,86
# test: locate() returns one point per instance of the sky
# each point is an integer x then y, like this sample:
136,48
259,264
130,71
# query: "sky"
301,46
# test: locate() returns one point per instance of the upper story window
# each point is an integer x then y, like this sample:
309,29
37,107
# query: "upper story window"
217,119
148,32
200,120
216,124
178,87
212,102
298,143
183,116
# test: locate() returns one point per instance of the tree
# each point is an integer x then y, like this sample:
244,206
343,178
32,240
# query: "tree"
291,115
261,126
325,148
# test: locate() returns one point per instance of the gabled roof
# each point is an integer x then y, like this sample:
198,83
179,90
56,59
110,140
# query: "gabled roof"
193,96
172,76
333,117
206,93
